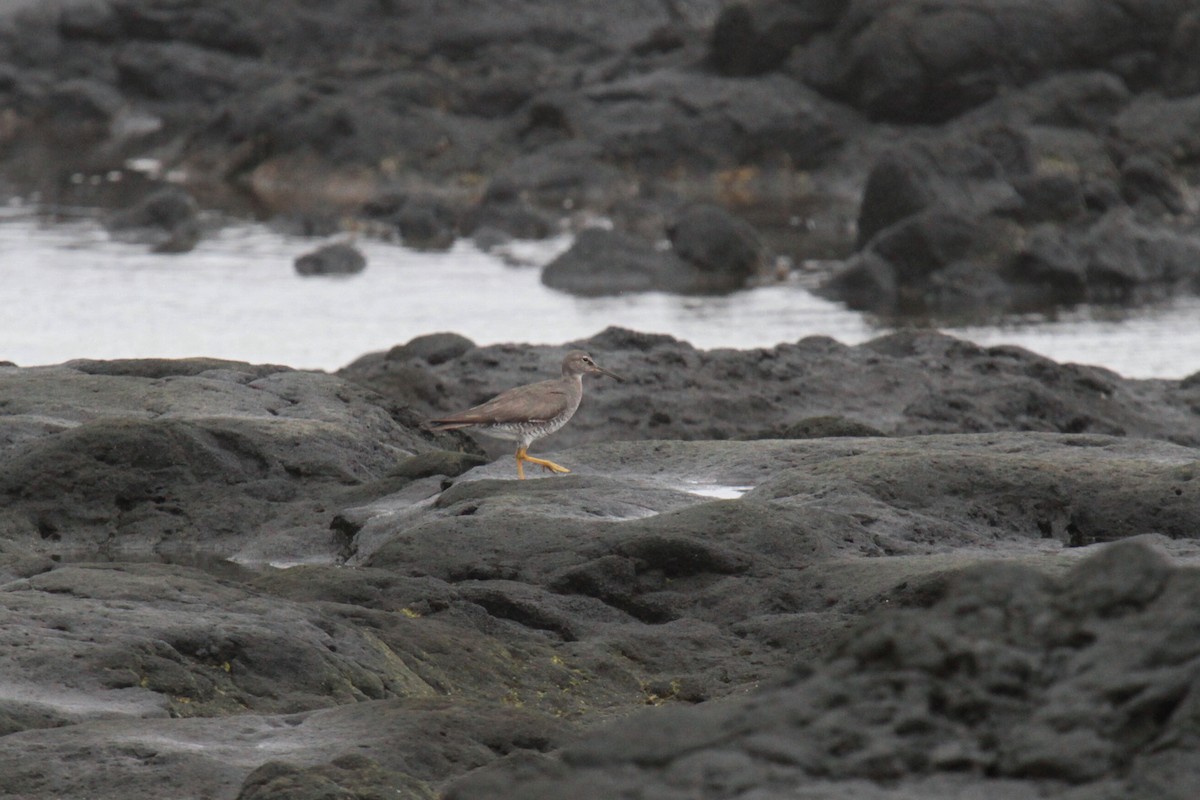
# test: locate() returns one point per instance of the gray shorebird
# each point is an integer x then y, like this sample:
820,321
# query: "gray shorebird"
529,412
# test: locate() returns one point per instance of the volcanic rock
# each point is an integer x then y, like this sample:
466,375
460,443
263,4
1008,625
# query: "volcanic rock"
332,259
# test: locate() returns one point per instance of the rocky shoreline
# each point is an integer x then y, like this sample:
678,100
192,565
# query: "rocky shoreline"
964,159
910,568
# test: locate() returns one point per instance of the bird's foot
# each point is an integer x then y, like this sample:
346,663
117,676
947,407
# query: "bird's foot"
549,466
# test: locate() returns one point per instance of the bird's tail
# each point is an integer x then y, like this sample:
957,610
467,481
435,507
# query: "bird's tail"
446,425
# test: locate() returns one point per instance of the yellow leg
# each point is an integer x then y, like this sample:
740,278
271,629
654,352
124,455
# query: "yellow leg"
550,466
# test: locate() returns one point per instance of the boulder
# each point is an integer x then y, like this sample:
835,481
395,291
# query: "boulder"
84,107
93,19
605,262
710,251
967,229
173,72
676,119
969,178
432,348
168,220
222,27
1181,67
423,221
339,258
1161,125
929,62
1126,258
1148,185
750,38
725,249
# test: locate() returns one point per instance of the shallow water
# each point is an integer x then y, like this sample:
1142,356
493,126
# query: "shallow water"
68,291
716,491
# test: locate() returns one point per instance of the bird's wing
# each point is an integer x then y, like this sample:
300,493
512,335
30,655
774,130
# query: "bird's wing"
537,401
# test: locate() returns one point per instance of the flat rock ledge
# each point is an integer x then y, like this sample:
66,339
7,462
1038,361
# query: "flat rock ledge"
246,581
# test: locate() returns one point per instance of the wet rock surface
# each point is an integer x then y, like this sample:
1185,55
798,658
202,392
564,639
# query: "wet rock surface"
929,579
966,159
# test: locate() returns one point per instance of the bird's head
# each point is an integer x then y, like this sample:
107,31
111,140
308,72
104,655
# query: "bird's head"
577,362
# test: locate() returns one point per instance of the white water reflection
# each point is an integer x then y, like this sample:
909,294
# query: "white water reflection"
716,491
1159,341
70,292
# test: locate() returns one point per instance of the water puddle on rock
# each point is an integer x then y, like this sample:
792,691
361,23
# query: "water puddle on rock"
715,491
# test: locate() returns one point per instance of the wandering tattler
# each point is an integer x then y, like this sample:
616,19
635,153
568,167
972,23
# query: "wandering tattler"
529,412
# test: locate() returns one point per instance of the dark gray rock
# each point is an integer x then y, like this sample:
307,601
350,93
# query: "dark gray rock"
928,62
1181,69
719,245
1158,125
438,616
691,570
174,367
962,229
568,174
750,38
494,224
521,116
92,19
424,221
86,107
348,776
440,622
966,178
174,72
401,745
332,259
1126,258
711,252
1147,184
221,27
162,456
606,262
818,428
186,644
427,224
924,243
934,260
906,383
1049,198
679,119
1076,99
168,220
433,348
936,703
1050,264
896,188
437,462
